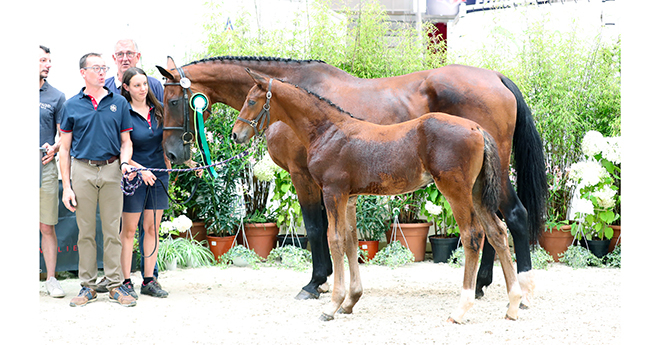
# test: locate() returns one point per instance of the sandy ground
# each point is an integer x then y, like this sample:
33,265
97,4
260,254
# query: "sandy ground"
407,305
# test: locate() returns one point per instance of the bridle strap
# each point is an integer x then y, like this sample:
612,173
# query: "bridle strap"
262,121
188,136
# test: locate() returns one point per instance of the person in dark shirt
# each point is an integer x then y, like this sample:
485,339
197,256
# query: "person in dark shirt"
149,199
50,116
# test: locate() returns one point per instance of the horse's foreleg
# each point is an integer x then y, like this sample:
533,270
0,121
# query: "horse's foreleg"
337,234
355,288
485,274
316,224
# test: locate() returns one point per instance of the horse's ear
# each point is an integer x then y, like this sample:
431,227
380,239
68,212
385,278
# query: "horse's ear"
258,78
170,63
165,73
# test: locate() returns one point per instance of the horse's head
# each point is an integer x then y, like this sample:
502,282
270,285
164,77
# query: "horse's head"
255,113
179,131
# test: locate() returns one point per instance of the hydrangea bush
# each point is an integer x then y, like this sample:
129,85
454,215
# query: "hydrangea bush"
595,178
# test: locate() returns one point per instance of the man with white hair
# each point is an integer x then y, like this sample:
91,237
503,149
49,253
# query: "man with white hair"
126,56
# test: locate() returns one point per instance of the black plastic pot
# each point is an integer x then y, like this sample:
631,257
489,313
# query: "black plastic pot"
299,241
442,247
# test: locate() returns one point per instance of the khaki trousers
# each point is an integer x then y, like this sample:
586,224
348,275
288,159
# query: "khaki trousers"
98,186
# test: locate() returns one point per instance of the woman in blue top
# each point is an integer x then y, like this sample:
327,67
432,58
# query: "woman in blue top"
147,136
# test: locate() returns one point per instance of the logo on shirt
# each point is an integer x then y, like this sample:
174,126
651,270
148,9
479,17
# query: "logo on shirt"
113,108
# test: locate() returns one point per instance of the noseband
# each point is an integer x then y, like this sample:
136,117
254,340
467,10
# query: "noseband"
188,136
262,121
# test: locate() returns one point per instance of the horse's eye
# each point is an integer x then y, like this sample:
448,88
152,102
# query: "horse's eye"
174,102
251,102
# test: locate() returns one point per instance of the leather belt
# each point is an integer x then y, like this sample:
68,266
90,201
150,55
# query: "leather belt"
98,163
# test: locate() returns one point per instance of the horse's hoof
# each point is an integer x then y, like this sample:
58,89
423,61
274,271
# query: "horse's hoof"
344,311
451,320
507,317
326,317
478,293
523,306
305,295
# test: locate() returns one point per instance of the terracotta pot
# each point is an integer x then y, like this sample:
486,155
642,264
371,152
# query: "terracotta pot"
557,241
413,237
197,232
220,245
262,237
370,246
615,238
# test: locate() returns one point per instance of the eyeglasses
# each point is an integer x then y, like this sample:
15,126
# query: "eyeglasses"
97,68
128,54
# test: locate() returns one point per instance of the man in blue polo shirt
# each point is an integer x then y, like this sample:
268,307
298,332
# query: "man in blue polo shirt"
95,147
126,56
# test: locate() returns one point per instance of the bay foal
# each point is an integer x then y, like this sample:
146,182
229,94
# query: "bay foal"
348,156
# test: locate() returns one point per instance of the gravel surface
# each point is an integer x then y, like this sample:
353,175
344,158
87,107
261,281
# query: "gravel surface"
406,305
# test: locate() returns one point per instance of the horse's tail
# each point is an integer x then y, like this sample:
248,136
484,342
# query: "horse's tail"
490,175
529,162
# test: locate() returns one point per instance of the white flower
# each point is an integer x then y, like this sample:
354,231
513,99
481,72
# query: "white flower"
432,208
587,173
182,223
265,169
583,206
166,227
593,143
605,197
613,151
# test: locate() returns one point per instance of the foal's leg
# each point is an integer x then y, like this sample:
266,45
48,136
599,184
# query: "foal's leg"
472,236
497,236
341,242
351,245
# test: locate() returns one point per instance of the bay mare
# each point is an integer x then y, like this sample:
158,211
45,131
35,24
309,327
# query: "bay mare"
484,96
348,156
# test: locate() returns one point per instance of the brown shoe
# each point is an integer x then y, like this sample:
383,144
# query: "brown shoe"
121,296
85,296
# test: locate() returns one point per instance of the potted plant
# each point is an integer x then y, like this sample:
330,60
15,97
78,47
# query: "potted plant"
557,236
393,255
598,194
258,227
241,257
290,256
406,226
371,216
446,233
287,210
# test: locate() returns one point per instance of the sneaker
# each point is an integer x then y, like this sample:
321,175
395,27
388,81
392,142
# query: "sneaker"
131,291
102,286
53,287
121,296
85,296
153,289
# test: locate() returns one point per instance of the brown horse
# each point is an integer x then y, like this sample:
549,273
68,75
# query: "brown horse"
484,96
348,156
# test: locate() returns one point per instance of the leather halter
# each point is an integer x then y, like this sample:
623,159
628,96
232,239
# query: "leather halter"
262,121
188,136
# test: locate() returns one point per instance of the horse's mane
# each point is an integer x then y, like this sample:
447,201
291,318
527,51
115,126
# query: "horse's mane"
253,58
321,98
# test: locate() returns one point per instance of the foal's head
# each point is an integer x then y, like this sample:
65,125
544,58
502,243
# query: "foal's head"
254,116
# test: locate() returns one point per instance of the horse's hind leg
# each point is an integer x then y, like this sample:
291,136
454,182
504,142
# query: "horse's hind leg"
497,236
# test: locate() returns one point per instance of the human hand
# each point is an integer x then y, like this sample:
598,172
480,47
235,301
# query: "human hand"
148,177
48,155
128,169
69,199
